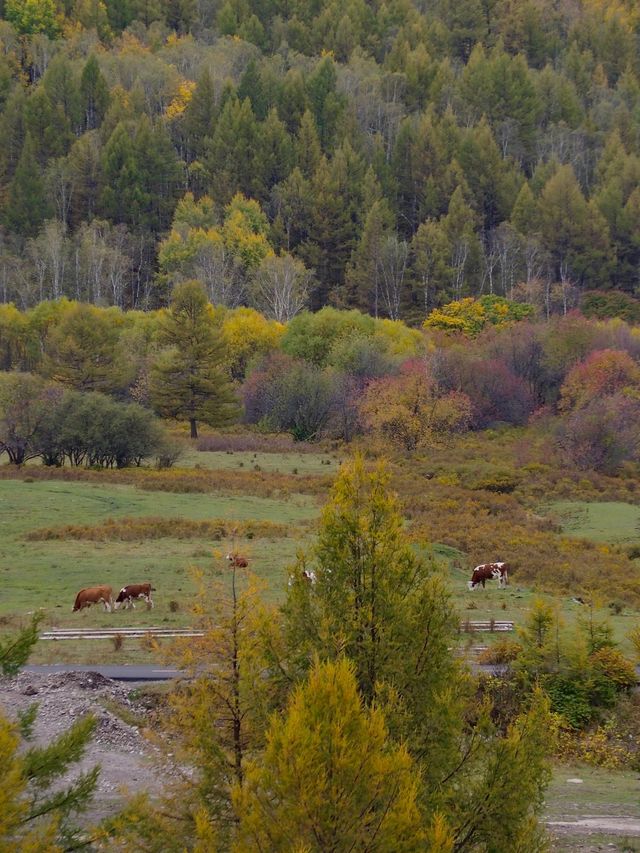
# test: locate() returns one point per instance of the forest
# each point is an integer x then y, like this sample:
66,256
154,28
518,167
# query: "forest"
385,156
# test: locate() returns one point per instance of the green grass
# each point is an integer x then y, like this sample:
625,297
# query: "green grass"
614,793
48,574
602,792
600,521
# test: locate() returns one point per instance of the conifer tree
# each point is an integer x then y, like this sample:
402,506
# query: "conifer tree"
38,812
375,602
231,152
199,115
307,147
94,93
187,382
27,207
330,778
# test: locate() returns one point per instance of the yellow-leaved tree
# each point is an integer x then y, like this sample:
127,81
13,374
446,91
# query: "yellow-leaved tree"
331,778
216,718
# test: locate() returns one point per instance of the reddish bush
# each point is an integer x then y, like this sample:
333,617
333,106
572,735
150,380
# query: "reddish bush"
496,394
601,374
601,435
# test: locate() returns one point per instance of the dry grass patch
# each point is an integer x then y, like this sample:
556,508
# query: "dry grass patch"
139,529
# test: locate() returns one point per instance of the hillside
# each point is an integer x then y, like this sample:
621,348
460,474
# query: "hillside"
384,156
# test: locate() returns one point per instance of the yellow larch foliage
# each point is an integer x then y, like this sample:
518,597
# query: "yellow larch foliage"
181,100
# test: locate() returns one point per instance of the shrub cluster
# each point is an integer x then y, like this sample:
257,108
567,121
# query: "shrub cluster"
136,529
40,419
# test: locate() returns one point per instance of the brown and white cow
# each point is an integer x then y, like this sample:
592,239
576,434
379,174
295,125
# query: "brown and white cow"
132,591
490,572
94,595
236,561
307,575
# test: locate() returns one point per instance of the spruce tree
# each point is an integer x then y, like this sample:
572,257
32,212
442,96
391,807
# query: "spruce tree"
187,382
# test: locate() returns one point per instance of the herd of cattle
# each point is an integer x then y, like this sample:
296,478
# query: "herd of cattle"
128,594
103,594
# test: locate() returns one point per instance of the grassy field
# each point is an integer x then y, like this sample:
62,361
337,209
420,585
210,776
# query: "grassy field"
601,793
49,573
600,521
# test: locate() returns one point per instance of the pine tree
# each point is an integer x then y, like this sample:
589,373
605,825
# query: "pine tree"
83,351
331,778
274,155
217,719
38,810
524,214
187,382
333,225
326,104
231,152
251,87
363,272
375,602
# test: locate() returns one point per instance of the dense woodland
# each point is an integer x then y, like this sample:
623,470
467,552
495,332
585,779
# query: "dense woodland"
385,156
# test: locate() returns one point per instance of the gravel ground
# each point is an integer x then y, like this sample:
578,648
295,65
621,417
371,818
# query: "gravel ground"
129,761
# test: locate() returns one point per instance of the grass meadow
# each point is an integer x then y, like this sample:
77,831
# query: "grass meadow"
63,529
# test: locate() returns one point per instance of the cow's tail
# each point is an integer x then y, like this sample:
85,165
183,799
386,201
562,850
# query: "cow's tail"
76,604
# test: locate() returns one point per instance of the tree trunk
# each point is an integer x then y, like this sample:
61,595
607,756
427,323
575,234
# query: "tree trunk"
194,428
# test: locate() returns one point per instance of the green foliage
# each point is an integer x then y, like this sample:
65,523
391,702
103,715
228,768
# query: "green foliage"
186,380
33,16
40,804
84,352
15,650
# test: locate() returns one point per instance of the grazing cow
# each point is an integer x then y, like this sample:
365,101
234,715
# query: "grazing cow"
131,591
490,572
306,575
237,562
94,595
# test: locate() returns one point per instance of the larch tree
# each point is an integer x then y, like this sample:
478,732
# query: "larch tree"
187,381
377,603
37,809
216,719
331,777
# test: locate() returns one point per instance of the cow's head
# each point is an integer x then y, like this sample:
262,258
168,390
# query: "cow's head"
122,596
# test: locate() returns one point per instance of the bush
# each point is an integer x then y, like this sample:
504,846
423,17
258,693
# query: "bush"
612,664
95,430
570,700
289,395
502,482
601,435
503,651
601,374
409,412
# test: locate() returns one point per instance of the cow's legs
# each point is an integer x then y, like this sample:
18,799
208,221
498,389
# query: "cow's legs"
149,602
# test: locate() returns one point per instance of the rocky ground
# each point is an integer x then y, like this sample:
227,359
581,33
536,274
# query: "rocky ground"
128,758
